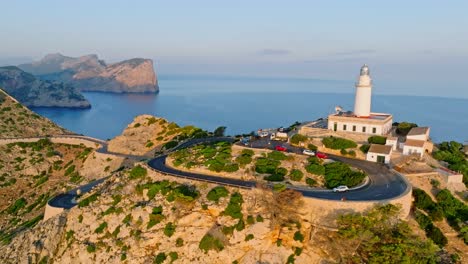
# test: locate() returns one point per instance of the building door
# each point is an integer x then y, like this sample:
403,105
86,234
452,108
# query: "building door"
335,127
381,159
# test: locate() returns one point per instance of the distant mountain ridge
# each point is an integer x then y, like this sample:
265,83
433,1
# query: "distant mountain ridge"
31,91
89,73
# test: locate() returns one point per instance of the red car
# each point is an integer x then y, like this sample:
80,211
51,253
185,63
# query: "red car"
321,155
280,148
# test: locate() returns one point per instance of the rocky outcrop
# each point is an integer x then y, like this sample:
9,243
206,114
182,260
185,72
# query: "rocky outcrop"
88,73
31,91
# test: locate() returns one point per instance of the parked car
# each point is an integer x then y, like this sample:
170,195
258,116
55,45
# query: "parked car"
245,141
263,134
342,188
321,155
280,148
308,152
279,136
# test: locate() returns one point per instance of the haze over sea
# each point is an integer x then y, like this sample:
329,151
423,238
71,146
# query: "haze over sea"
245,104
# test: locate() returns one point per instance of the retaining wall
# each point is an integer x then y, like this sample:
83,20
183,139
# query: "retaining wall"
51,211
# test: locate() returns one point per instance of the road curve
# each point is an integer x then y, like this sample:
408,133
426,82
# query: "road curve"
383,183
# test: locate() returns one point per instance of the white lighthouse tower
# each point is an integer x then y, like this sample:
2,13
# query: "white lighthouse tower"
362,104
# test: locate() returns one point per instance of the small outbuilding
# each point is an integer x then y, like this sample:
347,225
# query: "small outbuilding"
392,141
379,153
413,146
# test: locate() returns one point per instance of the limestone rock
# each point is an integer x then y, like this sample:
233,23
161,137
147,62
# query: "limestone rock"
88,73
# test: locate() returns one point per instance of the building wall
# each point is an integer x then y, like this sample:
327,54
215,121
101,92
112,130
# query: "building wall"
371,156
418,137
380,129
407,150
393,143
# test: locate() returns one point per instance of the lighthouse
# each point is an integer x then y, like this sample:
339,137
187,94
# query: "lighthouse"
362,103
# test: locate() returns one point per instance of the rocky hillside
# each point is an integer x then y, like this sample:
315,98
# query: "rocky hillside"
19,121
140,216
32,173
88,73
147,134
31,91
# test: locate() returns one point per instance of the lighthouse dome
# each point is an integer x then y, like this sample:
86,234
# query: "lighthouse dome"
364,70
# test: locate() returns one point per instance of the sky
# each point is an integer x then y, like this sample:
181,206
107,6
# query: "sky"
412,47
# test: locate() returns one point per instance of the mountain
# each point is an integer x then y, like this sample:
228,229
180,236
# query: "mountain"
31,91
19,121
89,73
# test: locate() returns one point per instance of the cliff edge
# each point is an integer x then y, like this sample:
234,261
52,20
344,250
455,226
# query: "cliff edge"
89,73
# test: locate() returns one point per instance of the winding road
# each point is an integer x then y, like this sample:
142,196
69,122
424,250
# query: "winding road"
383,183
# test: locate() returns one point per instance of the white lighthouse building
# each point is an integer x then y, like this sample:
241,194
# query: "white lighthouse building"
362,119
362,104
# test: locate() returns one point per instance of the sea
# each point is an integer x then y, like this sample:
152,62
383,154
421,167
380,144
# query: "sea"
245,104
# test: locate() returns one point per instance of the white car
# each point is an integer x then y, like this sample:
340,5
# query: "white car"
263,134
342,188
308,152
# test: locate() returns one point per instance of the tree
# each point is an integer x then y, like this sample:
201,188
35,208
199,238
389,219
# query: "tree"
404,127
219,131
379,236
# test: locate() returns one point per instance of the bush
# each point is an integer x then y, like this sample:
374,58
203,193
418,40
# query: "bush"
170,144
377,140
274,178
421,199
352,153
249,237
160,258
208,242
138,172
296,175
364,148
234,207
259,218
311,182
338,143
232,167
17,205
100,228
404,127
91,248
316,169
169,229
432,232
343,152
265,165
338,173
216,193
297,138
298,236
174,256
179,242
277,155
88,200
312,147
279,187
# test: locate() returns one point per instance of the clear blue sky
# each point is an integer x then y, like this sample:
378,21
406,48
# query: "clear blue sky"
413,47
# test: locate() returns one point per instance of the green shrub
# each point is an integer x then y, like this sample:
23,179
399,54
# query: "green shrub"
337,173
377,140
338,143
249,237
296,175
91,248
179,242
88,200
274,178
170,144
232,167
298,236
279,187
297,138
17,205
265,165
316,169
312,147
311,182
432,232
364,148
352,153
100,228
240,225
250,220
234,207
149,144
343,152
169,229
421,199
138,172
174,256
259,218
208,242
160,258
216,193
277,155
404,127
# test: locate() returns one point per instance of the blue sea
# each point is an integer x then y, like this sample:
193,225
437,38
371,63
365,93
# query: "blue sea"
247,104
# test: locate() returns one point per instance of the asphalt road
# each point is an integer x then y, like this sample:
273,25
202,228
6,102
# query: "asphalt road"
383,183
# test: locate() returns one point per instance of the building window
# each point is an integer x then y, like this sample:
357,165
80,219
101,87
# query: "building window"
354,128
363,129
335,126
374,130
344,127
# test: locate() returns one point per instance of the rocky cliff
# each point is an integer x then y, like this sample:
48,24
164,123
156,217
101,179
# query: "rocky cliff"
31,91
88,73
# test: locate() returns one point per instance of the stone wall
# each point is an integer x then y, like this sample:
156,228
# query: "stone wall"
51,211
